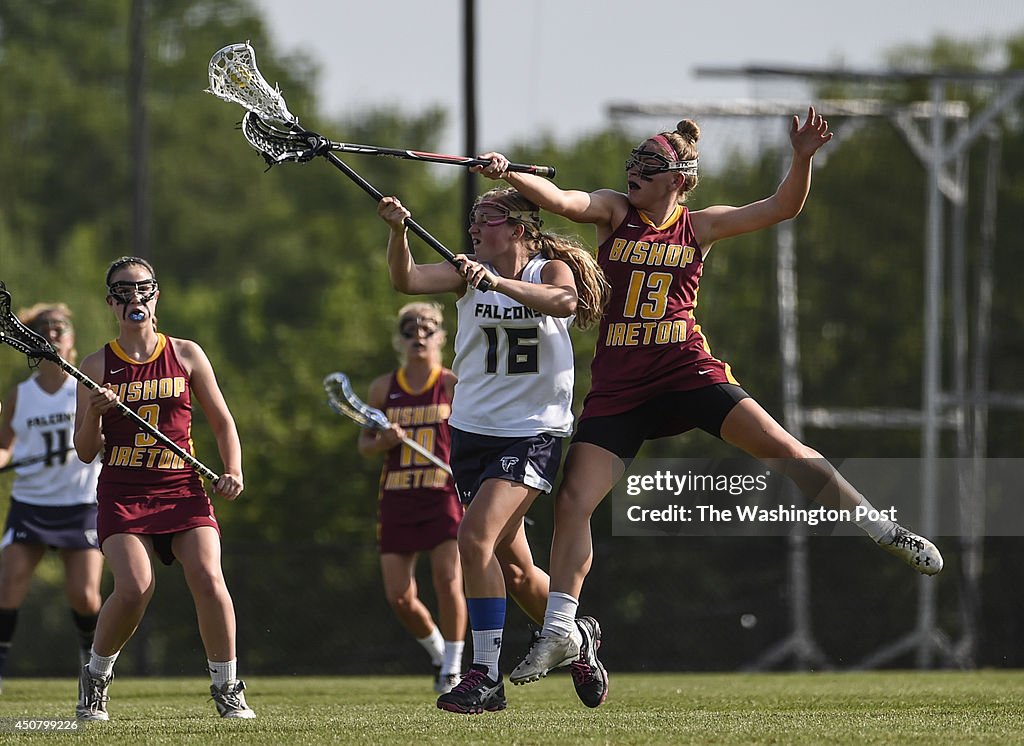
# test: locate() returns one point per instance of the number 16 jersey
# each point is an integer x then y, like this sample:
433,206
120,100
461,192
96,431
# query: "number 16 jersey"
514,365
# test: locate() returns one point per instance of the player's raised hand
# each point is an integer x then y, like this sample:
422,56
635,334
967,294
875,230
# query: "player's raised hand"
807,138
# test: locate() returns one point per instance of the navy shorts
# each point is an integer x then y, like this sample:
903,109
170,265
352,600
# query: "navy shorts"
532,460
56,526
667,414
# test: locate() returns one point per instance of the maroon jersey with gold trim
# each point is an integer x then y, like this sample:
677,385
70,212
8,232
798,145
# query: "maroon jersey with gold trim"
135,464
413,490
650,341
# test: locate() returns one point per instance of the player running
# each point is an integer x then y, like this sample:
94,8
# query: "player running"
512,407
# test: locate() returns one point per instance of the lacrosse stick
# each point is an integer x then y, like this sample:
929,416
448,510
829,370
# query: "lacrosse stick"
343,400
234,77
34,459
26,341
276,146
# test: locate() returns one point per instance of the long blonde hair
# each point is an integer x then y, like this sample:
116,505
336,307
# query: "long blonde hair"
592,288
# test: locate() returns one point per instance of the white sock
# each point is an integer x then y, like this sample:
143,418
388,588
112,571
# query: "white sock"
102,665
452,657
434,645
486,650
875,528
560,616
221,672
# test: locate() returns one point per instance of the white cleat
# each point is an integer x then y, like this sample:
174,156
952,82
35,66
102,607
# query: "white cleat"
230,701
546,654
92,696
915,550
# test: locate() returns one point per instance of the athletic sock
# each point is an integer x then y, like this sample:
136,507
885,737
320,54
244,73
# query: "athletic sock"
452,656
8,621
434,645
876,528
560,616
487,650
487,619
102,665
221,672
85,625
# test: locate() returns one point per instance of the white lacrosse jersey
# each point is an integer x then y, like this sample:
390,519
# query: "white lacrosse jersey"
44,425
514,364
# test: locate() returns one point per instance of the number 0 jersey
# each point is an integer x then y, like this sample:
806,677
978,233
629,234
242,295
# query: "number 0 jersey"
649,341
44,425
514,364
135,464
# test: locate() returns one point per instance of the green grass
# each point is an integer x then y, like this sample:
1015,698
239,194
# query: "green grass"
985,707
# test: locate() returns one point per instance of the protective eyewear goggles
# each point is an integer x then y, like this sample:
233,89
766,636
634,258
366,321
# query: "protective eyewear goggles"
649,162
415,332
493,213
58,326
125,292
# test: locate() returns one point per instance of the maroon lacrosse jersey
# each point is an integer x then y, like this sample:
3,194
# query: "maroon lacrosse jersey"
144,487
650,342
418,506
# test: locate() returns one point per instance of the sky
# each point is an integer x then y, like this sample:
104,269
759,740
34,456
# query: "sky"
554,66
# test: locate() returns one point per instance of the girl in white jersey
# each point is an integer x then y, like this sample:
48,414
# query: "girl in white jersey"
53,498
513,399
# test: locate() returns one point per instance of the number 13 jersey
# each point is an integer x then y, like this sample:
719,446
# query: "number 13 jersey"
514,365
649,341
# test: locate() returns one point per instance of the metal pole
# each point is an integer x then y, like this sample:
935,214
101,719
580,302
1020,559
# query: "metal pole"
139,140
931,372
469,99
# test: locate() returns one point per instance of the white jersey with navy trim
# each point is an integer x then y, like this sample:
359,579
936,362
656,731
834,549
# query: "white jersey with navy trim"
44,424
514,365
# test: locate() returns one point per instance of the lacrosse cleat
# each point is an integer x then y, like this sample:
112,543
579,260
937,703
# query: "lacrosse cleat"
546,654
915,550
92,696
588,675
230,701
476,693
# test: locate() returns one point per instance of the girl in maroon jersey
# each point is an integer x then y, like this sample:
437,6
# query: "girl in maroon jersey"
151,504
419,509
653,372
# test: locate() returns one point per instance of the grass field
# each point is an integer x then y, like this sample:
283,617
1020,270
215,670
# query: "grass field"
947,708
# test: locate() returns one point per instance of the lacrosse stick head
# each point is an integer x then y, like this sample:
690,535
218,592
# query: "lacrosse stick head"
234,77
19,336
343,400
279,146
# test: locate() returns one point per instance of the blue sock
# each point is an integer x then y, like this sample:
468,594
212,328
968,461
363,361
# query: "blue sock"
487,620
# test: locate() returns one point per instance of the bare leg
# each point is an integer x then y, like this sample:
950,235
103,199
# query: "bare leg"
83,569
495,514
446,573
590,473
198,551
397,571
751,429
19,562
526,583
129,560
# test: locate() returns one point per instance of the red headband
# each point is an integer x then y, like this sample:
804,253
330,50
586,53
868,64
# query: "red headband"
663,141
